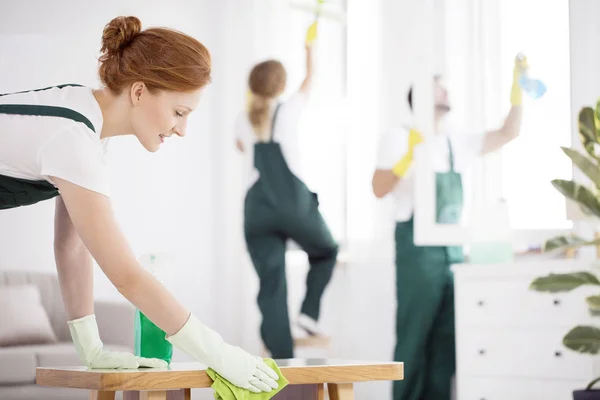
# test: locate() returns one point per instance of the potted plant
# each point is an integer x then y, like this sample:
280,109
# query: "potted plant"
583,339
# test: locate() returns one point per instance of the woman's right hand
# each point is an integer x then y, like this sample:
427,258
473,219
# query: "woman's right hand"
231,362
90,349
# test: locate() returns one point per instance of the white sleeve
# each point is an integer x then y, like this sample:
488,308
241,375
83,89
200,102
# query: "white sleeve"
243,130
76,155
469,145
292,109
239,128
393,145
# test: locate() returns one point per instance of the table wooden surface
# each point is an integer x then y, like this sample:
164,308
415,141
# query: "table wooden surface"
154,382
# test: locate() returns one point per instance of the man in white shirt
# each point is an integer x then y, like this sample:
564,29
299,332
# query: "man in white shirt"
424,282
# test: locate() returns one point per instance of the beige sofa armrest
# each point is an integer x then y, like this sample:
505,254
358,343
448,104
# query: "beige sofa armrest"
115,322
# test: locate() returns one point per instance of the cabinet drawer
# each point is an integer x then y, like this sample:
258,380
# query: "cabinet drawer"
512,303
520,353
474,388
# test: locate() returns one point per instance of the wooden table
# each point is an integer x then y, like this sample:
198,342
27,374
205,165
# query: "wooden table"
307,379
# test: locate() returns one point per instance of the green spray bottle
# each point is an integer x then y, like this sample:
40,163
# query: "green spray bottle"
150,341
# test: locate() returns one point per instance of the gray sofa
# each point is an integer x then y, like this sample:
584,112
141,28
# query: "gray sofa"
18,363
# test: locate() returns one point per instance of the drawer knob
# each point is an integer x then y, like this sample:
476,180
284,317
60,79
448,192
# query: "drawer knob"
480,303
481,352
556,302
558,353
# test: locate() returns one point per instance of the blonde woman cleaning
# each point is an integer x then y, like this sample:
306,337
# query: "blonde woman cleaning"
278,205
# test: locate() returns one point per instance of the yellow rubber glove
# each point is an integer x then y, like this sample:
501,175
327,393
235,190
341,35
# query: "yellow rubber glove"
311,33
248,99
414,138
516,93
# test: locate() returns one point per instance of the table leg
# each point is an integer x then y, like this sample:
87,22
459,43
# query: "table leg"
302,392
101,395
179,394
153,395
340,391
320,392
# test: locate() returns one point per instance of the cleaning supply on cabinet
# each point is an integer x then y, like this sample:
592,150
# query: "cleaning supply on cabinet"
491,239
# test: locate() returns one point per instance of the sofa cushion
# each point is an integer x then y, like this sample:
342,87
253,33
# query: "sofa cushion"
30,392
18,363
23,320
56,355
47,284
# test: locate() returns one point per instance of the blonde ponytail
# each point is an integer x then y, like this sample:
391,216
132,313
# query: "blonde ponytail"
266,82
259,114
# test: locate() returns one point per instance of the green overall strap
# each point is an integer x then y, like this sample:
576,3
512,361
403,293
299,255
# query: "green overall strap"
450,156
42,89
45,111
16,192
273,122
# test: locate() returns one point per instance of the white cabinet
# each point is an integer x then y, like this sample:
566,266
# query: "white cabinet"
509,338
479,388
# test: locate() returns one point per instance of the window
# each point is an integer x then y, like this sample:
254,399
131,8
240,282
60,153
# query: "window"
322,136
535,158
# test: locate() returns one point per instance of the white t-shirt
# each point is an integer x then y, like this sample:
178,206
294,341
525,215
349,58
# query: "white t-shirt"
285,133
36,147
394,145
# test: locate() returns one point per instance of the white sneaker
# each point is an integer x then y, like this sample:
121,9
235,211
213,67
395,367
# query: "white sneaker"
310,325
298,332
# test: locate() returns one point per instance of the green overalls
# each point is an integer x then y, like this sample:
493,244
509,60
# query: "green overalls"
15,192
278,207
425,294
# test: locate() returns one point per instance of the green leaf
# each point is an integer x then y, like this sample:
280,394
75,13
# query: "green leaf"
563,241
583,196
591,148
583,339
587,127
592,383
593,303
587,131
597,115
563,282
568,241
588,167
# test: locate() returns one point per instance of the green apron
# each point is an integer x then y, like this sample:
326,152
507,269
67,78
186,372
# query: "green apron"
425,295
15,192
279,207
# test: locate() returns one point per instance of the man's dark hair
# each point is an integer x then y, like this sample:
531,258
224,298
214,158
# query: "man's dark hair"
410,91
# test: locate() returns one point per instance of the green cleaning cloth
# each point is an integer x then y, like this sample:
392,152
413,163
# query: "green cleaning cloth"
225,390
